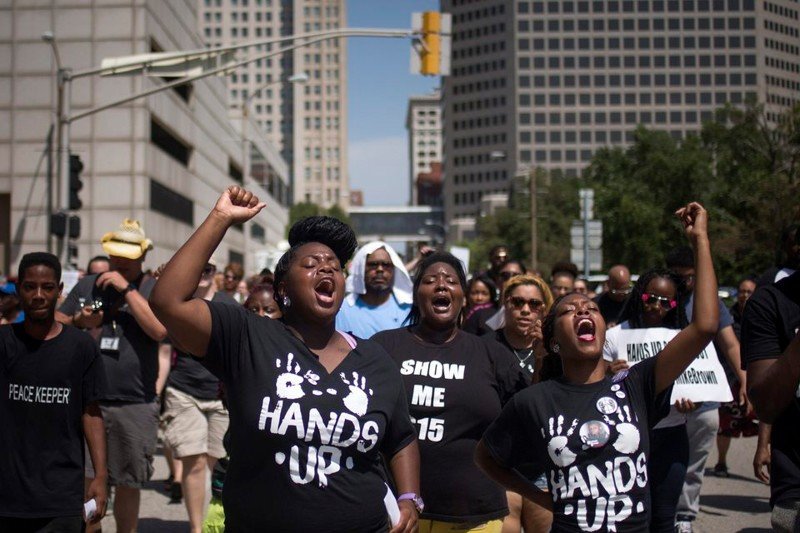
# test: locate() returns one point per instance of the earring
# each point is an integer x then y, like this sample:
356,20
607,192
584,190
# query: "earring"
556,348
287,302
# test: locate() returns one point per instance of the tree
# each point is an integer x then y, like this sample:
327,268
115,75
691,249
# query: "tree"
557,207
742,167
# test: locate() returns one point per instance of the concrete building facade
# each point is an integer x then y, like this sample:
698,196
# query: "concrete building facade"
424,126
163,159
308,121
545,84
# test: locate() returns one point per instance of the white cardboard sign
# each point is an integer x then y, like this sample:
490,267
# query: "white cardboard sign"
703,381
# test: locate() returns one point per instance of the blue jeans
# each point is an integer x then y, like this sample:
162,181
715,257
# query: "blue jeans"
669,456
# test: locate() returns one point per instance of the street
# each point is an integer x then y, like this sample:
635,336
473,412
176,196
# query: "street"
739,503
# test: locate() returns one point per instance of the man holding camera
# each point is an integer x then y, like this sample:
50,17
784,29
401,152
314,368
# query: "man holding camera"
113,308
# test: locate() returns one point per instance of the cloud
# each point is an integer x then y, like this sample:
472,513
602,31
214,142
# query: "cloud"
379,167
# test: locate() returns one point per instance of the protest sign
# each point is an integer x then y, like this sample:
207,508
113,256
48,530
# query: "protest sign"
703,381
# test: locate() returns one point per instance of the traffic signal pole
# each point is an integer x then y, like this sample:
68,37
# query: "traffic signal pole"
131,65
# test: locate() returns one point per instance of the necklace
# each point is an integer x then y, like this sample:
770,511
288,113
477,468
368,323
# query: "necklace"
523,360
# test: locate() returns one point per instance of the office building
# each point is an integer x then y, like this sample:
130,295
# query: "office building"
545,84
424,125
307,121
163,160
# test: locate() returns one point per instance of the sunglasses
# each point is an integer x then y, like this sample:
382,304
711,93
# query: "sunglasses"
626,291
518,303
230,276
666,303
508,275
374,265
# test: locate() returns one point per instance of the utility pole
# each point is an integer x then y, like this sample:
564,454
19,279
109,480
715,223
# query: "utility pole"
534,225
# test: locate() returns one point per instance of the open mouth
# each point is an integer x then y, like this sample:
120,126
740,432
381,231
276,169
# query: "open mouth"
325,290
585,330
441,303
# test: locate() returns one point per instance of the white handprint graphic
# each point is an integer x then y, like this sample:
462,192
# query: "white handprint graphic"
289,385
557,447
358,399
628,434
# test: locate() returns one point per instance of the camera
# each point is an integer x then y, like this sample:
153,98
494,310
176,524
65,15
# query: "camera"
97,305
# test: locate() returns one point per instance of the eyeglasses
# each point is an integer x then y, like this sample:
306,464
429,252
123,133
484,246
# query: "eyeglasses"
230,276
505,276
624,292
374,265
666,303
519,303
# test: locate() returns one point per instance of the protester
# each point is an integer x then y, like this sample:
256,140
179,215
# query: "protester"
498,256
702,424
654,303
585,424
612,300
486,320
231,277
10,306
771,356
481,294
97,265
113,307
456,385
380,292
52,376
581,286
311,408
262,302
527,300
562,278
194,418
789,257
735,420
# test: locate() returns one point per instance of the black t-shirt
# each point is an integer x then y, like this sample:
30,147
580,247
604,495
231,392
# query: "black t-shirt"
525,357
592,442
45,386
455,390
189,375
609,308
305,444
132,369
476,324
771,320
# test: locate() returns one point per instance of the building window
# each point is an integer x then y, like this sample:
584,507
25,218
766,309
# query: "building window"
170,203
171,145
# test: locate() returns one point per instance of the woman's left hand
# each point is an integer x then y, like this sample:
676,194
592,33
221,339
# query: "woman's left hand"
685,405
408,518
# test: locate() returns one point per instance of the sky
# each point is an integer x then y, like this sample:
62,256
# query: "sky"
379,84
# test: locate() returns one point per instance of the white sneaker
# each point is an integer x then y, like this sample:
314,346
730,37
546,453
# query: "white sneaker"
683,526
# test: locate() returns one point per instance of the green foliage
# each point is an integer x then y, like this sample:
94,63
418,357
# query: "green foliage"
744,169
557,206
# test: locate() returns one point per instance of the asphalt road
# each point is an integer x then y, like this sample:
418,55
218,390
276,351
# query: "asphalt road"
739,503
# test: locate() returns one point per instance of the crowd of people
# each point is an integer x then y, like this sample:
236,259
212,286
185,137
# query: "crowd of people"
349,390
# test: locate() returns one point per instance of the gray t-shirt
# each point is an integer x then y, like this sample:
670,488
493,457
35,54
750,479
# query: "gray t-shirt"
132,369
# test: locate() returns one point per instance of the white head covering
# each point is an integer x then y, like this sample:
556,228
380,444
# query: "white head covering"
403,287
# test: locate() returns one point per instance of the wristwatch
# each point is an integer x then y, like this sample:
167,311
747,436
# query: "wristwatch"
128,289
415,499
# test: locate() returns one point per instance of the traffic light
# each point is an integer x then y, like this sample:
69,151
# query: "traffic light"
58,224
75,183
74,227
432,51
